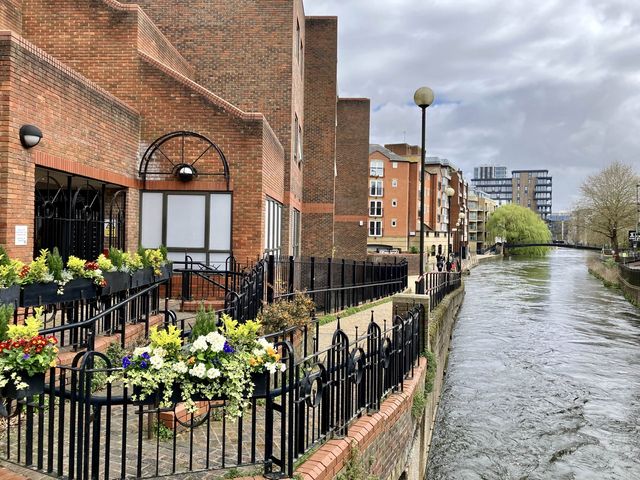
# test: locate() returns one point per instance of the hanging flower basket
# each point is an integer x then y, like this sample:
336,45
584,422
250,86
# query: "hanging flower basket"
142,277
10,295
116,282
37,294
35,386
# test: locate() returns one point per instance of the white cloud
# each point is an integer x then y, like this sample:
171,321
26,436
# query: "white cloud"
546,84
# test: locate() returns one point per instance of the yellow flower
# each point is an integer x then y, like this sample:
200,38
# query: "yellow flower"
53,363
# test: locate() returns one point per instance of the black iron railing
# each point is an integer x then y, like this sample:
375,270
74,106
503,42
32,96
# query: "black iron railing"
81,428
437,285
630,275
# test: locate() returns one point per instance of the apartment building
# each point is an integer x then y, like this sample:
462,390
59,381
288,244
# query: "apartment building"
494,181
481,207
533,189
178,123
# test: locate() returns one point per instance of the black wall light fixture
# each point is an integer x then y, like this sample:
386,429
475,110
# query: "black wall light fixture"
185,172
30,136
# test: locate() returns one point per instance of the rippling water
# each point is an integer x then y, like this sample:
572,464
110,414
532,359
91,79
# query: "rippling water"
543,379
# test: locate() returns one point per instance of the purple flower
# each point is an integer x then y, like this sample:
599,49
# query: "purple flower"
227,348
143,364
126,362
26,356
145,355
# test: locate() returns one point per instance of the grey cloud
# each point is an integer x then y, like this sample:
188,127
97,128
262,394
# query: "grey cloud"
546,84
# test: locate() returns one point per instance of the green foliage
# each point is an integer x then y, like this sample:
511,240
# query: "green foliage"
356,468
105,264
55,264
6,315
206,322
142,253
4,257
38,269
170,339
162,432
432,366
114,353
516,224
413,249
285,314
32,325
164,252
117,258
419,402
10,272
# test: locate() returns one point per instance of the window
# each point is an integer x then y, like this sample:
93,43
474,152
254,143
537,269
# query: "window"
295,232
394,182
375,208
376,168
297,152
375,188
394,222
394,202
394,164
375,228
272,224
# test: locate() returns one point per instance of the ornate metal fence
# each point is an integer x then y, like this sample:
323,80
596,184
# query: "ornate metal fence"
83,427
437,285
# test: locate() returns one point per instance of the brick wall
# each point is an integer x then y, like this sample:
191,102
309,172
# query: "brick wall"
352,165
11,15
319,135
81,124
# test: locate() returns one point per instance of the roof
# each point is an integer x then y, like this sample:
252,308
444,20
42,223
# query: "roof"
374,147
440,161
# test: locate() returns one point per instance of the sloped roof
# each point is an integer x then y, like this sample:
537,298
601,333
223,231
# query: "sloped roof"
374,147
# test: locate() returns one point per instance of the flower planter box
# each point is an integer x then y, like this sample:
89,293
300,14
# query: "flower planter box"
156,397
260,382
116,282
10,295
35,386
166,271
142,278
78,289
38,294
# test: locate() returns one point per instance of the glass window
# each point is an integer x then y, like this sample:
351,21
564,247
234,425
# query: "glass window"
375,228
185,221
295,233
394,222
394,182
375,188
376,168
394,202
375,208
394,164
151,217
220,222
272,224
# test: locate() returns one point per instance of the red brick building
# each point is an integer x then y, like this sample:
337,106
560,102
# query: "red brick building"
149,135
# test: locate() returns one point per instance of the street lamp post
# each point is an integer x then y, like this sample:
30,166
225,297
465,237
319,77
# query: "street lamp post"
423,98
462,216
450,192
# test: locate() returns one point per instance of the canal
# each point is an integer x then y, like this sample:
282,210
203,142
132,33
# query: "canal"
543,380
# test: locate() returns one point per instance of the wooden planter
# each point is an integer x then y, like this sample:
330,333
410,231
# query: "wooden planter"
38,294
10,295
35,386
142,278
116,282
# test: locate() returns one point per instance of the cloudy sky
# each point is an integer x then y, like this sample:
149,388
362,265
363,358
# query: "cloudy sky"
524,83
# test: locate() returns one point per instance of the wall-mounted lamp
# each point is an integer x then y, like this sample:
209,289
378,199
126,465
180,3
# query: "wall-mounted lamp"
185,172
30,136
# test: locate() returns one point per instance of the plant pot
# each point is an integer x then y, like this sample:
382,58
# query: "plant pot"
116,282
78,289
38,294
260,382
10,295
156,397
35,386
142,277
165,273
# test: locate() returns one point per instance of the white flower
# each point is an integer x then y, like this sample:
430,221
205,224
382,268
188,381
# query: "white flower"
272,367
264,343
216,340
213,372
283,367
157,362
140,350
200,343
257,352
159,351
198,371
180,367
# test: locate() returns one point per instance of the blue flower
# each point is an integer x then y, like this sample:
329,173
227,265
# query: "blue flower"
143,364
26,356
145,355
126,362
227,348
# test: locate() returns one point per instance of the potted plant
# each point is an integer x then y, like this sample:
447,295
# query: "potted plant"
157,259
38,286
25,357
9,279
141,274
86,276
115,277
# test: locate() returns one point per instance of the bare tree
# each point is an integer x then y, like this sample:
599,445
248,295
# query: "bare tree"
610,201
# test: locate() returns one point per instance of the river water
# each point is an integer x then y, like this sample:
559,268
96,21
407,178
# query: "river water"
543,380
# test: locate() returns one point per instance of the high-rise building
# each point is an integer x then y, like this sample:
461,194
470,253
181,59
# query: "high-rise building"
494,182
489,171
532,189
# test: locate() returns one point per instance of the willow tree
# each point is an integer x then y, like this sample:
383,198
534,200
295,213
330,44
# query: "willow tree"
609,202
516,224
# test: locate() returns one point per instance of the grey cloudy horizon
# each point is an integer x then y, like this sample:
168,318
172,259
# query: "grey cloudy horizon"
549,84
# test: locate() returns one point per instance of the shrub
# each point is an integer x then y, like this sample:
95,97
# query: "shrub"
6,314
285,314
206,322
356,468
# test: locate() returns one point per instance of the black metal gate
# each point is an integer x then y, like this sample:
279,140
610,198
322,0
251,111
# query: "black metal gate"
79,216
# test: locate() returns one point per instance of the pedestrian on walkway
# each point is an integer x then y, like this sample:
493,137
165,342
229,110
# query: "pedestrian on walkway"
440,263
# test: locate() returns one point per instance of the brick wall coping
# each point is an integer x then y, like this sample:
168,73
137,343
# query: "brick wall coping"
45,57
354,99
331,457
